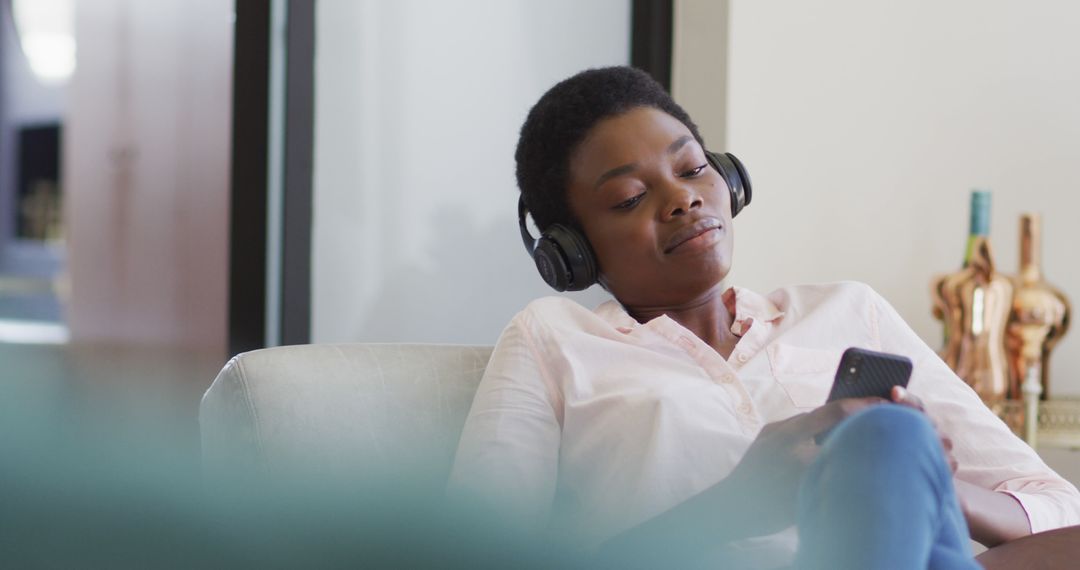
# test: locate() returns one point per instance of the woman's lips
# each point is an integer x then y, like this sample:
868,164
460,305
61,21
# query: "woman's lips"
703,232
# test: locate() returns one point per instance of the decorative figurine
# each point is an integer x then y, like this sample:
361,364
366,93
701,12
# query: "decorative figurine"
974,305
1040,315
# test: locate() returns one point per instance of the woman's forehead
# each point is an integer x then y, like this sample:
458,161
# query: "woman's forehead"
630,137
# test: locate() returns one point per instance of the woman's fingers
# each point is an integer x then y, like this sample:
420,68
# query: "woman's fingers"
902,396
947,445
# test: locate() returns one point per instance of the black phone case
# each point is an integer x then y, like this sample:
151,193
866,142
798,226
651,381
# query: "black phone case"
863,373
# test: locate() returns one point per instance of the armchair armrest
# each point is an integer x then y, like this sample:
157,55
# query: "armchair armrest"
1046,550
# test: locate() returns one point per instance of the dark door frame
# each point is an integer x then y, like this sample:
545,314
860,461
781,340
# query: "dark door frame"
248,176
651,37
249,229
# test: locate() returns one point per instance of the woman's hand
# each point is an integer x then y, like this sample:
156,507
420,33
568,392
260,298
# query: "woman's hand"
902,396
765,483
758,497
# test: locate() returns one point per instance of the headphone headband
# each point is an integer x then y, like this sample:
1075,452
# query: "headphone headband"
526,237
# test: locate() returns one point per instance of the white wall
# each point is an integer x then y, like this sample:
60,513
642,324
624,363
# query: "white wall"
699,65
418,106
865,123
147,163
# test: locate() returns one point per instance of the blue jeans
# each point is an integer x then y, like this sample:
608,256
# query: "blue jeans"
880,495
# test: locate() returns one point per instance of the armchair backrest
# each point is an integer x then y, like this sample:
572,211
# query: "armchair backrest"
340,407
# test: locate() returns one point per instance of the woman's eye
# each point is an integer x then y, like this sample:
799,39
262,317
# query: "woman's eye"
695,171
629,203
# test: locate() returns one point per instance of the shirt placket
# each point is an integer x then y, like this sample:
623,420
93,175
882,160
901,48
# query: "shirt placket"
723,374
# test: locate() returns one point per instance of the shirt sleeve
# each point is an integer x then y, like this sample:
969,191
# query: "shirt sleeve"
988,453
508,455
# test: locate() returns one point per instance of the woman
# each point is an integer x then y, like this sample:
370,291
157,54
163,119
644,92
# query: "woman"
680,418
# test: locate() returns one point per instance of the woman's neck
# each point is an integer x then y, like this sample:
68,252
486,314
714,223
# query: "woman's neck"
706,316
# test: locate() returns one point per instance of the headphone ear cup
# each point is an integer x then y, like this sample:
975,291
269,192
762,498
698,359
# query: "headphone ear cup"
567,256
551,263
562,255
734,173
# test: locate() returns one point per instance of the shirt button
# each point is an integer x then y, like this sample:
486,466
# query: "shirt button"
727,378
742,357
744,408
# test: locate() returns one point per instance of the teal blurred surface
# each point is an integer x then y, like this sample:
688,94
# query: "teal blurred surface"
99,469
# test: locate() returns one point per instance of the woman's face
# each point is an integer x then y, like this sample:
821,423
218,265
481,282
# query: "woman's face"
657,216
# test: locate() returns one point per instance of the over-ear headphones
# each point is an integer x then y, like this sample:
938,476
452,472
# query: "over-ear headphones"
565,259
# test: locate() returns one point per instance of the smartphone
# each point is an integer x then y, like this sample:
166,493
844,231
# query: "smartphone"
863,373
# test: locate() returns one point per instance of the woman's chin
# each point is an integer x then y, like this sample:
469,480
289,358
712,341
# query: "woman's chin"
711,270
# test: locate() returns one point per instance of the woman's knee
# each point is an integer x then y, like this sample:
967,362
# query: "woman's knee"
887,427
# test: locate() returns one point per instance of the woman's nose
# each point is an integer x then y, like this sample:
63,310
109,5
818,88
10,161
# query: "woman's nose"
683,200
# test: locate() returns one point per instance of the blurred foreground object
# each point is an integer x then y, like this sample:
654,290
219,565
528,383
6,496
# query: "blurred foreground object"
974,305
80,490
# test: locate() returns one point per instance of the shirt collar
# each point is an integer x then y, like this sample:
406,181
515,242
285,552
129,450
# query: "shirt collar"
749,307
746,305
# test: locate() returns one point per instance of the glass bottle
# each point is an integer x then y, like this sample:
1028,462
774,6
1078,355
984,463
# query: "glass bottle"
974,304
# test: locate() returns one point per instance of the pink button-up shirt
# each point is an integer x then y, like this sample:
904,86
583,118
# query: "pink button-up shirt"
588,423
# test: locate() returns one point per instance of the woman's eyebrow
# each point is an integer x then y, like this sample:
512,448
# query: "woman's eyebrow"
628,168
614,172
679,143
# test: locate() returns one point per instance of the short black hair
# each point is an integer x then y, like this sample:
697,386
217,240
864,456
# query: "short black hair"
562,117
